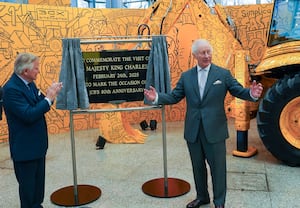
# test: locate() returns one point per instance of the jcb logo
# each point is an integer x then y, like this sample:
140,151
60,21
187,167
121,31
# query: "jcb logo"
58,15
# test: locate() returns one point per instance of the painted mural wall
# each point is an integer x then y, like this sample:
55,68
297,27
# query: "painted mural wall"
40,28
51,2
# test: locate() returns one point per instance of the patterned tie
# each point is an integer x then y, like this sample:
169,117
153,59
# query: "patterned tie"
30,87
202,80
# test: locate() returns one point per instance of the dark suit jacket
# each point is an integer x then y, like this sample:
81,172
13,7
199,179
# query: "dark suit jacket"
28,136
211,108
1,102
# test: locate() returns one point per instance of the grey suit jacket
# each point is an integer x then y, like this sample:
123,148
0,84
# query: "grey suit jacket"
211,108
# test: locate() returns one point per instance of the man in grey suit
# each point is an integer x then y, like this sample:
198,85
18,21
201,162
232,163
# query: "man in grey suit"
205,129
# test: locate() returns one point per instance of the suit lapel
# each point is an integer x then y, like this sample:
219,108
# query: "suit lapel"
195,83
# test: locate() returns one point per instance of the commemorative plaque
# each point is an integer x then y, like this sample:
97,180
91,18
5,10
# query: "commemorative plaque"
115,75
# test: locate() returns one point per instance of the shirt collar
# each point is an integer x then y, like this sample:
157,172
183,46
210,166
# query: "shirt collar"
25,82
205,69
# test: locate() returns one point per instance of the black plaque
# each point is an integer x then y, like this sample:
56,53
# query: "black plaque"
115,75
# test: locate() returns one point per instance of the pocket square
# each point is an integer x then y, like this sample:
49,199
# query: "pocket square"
217,82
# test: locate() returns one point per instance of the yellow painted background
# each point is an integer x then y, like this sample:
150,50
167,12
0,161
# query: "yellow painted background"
40,28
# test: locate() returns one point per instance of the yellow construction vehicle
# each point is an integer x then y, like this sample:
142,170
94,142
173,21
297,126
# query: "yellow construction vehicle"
279,111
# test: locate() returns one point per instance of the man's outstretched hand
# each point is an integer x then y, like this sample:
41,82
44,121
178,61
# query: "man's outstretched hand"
256,89
150,94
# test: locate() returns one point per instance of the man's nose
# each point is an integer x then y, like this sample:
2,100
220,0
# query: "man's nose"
206,54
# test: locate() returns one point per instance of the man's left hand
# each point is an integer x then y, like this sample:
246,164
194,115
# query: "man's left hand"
256,89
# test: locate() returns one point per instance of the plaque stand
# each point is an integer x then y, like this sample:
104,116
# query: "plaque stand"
75,195
165,187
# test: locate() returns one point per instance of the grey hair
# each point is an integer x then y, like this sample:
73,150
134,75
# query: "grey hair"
24,61
198,43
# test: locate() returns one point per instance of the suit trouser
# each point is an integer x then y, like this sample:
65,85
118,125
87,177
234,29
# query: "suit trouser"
31,178
215,155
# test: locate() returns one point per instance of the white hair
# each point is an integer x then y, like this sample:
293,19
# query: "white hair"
24,61
200,43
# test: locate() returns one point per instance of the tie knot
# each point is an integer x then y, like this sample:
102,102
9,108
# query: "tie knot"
202,69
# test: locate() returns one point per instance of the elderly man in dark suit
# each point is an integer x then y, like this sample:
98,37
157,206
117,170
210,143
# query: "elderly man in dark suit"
25,107
205,130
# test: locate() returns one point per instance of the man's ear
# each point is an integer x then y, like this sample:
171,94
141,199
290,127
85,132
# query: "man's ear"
24,72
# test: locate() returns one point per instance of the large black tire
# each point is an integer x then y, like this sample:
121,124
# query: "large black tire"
278,120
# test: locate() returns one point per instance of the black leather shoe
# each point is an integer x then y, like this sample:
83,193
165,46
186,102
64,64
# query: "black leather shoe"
144,125
196,203
100,143
153,124
220,206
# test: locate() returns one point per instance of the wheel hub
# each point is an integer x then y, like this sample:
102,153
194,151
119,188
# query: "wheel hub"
290,122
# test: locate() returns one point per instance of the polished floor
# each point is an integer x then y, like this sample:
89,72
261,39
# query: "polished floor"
120,170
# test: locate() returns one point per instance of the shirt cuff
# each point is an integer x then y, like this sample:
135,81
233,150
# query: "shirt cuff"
155,100
254,98
49,101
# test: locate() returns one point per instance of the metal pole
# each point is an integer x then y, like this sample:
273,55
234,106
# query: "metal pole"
73,158
114,41
164,150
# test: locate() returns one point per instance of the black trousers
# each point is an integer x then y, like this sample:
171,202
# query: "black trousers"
215,155
31,178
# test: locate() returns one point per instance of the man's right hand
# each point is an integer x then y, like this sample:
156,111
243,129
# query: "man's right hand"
150,94
53,90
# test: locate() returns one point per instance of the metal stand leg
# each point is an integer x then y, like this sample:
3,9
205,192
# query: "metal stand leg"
165,187
75,195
